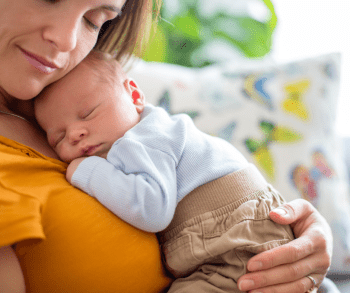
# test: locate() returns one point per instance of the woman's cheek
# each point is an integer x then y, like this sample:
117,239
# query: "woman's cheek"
86,44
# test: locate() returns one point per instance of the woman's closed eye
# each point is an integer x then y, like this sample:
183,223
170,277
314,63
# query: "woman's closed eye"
90,24
96,18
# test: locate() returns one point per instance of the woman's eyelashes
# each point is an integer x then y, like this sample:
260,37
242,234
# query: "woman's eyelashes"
95,18
51,1
92,25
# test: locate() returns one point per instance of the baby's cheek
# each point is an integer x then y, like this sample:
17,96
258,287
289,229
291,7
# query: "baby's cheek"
64,154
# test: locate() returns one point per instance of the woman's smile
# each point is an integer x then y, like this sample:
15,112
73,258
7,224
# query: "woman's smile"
40,63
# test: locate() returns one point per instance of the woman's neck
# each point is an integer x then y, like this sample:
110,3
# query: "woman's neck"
25,132
16,106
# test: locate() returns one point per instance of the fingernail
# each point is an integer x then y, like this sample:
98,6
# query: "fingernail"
279,211
246,285
254,266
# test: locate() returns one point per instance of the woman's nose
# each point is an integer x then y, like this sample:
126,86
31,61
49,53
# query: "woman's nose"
77,135
63,33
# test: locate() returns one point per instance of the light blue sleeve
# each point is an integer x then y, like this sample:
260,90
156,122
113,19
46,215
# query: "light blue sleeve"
136,182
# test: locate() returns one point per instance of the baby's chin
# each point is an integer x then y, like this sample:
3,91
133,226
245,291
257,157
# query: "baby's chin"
66,160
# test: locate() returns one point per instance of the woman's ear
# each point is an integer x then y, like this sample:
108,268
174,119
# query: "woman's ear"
137,96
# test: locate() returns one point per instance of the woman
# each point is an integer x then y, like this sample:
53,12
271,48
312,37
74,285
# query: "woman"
53,237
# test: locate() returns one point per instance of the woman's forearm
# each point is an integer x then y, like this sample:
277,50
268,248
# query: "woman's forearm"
11,276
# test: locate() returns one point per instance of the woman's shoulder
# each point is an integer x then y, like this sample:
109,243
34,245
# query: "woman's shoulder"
25,180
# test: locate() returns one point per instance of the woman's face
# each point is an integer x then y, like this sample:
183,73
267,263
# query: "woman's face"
42,40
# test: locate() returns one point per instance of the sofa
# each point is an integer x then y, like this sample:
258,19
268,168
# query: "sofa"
281,117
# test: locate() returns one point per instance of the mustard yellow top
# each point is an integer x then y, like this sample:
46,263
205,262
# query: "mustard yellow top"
67,241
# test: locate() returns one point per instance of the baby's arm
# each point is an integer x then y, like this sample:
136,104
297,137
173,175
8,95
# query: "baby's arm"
137,183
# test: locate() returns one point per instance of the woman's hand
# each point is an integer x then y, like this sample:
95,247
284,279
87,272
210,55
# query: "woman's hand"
285,268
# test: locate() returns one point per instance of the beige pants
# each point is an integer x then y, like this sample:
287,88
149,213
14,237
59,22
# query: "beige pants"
217,228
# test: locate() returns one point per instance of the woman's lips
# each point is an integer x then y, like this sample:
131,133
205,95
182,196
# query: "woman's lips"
39,63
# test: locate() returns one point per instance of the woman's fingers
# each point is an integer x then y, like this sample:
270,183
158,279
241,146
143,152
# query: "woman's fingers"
303,217
288,253
287,273
288,213
299,286
285,268
315,244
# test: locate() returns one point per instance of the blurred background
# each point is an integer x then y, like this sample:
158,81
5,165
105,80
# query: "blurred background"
309,28
197,33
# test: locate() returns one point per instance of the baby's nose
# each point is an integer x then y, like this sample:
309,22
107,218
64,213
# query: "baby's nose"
77,135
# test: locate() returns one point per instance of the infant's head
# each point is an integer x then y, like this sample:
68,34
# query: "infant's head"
86,111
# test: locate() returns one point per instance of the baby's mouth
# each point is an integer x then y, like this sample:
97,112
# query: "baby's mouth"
90,150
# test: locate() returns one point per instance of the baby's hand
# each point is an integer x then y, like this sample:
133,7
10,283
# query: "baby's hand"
72,167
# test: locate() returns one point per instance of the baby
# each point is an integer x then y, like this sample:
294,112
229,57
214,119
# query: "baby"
161,174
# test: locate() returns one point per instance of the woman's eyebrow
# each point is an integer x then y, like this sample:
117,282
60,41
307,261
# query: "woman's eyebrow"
111,8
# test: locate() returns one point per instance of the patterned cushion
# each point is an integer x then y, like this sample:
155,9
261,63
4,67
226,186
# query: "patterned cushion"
281,117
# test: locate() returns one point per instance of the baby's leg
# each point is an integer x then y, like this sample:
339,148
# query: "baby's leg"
211,251
217,228
211,278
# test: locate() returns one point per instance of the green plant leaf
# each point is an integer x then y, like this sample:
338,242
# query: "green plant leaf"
179,41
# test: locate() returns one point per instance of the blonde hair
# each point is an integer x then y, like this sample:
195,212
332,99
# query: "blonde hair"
128,33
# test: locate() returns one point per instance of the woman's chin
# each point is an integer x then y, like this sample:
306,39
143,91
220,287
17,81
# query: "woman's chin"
26,92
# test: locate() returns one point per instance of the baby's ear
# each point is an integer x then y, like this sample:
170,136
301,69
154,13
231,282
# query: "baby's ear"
138,97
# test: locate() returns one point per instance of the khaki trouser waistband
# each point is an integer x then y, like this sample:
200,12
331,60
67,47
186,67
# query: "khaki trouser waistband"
234,188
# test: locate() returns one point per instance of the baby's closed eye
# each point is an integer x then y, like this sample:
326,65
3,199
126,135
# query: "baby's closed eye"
88,112
54,140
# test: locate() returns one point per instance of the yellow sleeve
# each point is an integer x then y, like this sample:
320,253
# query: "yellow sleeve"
20,205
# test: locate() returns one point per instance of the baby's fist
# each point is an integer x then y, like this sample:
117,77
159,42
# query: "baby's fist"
72,167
